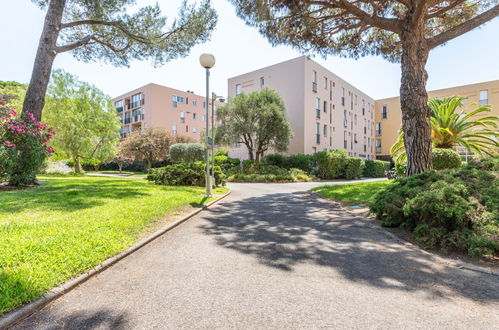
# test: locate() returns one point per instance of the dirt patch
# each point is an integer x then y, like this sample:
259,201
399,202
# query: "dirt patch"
5,187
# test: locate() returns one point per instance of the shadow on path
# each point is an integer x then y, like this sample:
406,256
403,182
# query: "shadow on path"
286,230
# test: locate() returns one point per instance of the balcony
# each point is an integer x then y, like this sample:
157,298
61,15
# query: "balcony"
345,123
378,133
127,120
134,104
314,87
318,138
378,150
318,113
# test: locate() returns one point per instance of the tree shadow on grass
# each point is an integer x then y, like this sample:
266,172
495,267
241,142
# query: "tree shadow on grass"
64,196
284,230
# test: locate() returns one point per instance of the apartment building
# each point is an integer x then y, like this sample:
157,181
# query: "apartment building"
388,116
178,112
325,112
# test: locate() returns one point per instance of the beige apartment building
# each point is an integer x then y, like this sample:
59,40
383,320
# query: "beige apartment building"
153,105
325,112
388,116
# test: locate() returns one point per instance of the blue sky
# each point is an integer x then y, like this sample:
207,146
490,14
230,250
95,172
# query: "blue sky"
238,48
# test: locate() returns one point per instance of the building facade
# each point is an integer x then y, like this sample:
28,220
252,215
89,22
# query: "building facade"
156,106
388,116
326,113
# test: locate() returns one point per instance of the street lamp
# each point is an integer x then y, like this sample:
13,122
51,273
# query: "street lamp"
207,61
214,97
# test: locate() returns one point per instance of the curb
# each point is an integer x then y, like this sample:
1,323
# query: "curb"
448,262
17,315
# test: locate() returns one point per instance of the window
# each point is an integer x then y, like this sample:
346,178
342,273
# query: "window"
182,117
187,128
345,119
343,96
314,150
355,99
355,138
193,116
194,103
194,130
345,142
378,129
136,100
119,105
325,106
363,107
325,130
127,129
484,97
262,81
204,105
314,81
238,89
325,83
174,129
384,112
127,118
318,133
355,119
317,107
378,146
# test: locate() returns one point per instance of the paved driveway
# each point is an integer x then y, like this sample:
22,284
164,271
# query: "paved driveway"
273,256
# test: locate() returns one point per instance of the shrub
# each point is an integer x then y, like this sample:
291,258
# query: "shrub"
254,167
445,158
184,174
23,146
187,152
353,168
222,152
227,164
330,165
303,162
454,209
375,168
400,169
275,160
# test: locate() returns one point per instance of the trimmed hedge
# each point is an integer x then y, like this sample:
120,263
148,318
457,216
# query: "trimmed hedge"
187,152
445,158
454,209
303,162
375,168
336,165
292,175
184,174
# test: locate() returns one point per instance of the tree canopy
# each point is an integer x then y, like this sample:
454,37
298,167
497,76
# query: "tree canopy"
398,30
257,120
116,32
83,117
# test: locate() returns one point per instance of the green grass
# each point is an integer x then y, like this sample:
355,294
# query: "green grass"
355,193
61,229
116,172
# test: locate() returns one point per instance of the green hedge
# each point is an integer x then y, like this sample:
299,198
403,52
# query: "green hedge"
187,152
303,162
292,175
254,167
375,168
445,158
227,164
455,209
336,165
184,174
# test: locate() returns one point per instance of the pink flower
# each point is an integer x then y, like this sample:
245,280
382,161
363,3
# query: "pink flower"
50,149
9,144
14,112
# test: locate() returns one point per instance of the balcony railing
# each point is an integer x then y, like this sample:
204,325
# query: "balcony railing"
378,132
345,123
127,120
318,138
119,109
378,150
314,87
318,113
134,104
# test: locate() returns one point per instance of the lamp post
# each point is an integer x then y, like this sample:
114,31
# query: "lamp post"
207,61
214,97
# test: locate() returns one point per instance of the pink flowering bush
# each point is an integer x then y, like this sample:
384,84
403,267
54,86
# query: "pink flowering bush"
23,145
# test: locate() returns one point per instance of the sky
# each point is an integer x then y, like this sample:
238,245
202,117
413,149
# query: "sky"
238,49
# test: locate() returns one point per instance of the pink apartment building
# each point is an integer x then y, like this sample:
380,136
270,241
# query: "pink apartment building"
157,106
325,112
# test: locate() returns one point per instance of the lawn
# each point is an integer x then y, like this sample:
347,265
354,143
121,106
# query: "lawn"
116,172
68,225
355,193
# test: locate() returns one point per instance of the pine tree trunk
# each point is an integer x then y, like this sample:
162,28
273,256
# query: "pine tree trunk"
45,55
414,103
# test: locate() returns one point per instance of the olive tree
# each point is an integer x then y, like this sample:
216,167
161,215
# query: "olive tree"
257,120
404,31
106,31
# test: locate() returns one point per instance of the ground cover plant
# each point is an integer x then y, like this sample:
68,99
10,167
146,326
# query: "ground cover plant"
69,224
184,174
354,193
452,210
